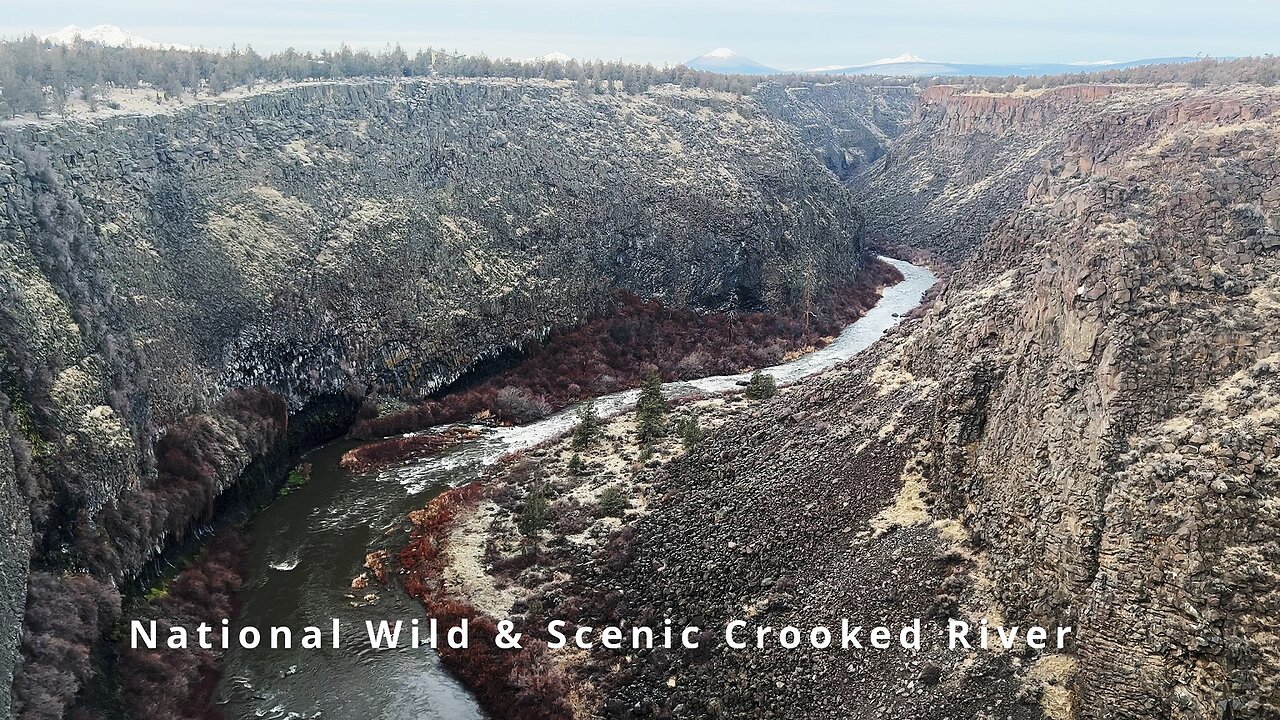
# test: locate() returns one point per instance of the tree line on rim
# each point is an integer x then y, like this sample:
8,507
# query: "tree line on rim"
39,76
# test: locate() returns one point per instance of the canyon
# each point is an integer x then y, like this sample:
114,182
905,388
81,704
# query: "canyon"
1078,427
1077,430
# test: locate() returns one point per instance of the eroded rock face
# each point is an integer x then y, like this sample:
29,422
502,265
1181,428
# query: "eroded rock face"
1107,397
963,161
335,238
846,126
15,523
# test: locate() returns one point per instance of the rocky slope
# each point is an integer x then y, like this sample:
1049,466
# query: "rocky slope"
1105,411
1079,430
325,241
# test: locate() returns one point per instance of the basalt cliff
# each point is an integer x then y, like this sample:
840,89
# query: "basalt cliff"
1078,429
191,296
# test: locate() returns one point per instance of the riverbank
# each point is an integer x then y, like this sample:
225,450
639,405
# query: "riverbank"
467,557
702,532
471,551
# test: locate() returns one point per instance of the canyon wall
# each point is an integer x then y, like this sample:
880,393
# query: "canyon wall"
847,126
1080,428
1106,411
329,240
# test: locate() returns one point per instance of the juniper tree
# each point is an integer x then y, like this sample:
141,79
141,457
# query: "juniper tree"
535,515
761,387
691,432
651,410
612,503
588,428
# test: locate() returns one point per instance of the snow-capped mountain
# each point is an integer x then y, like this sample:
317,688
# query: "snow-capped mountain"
107,35
908,64
555,56
903,58
724,60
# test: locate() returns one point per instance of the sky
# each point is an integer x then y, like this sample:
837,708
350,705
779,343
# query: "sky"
785,34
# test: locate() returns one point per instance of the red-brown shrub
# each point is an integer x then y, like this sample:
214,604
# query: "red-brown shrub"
508,683
611,353
65,616
165,684
190,458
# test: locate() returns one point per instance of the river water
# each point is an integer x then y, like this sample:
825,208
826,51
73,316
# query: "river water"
306,547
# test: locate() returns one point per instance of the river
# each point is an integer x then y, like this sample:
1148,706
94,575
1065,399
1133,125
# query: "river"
307,546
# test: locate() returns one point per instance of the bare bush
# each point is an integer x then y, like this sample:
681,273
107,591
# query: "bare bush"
518,405
65,616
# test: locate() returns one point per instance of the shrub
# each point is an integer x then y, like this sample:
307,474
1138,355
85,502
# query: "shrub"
164,683
520,406
691,432
192,458
612,502
381,453
65,616
761,387
568,517
297,479
525,684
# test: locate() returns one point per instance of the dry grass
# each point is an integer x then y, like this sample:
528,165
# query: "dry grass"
1053,673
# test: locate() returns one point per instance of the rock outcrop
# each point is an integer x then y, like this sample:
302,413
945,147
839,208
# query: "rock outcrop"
337,238
847,126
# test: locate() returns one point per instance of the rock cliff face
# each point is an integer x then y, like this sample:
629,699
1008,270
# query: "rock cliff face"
1107,404
847,126
1080,429
330,239
963,161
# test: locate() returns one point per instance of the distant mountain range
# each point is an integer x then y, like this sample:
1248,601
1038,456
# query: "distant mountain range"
106,35
555,56
724,60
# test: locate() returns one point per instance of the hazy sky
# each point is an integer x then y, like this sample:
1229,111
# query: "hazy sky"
780,33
